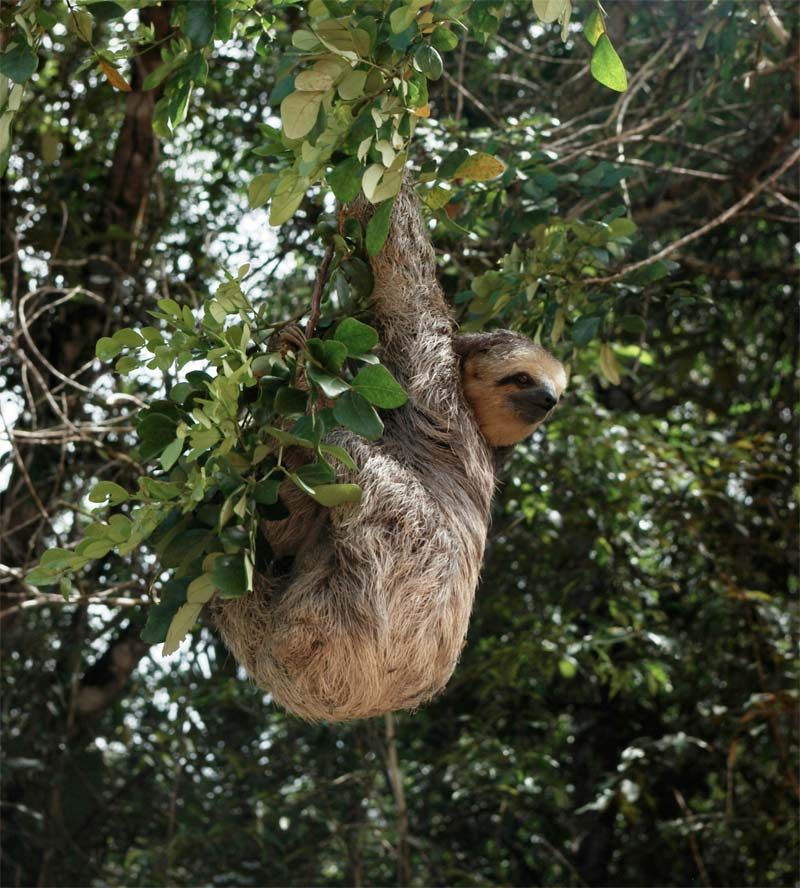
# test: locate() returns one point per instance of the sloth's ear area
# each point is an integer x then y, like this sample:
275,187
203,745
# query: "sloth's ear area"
469,344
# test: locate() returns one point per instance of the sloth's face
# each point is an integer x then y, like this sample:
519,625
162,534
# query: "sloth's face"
512,387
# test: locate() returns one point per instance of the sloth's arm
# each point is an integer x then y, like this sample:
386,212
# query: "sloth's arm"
409,309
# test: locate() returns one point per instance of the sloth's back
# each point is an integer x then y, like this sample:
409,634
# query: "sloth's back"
375,613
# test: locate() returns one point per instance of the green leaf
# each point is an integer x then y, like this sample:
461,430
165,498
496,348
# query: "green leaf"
185,547
57,559
180,392
159,616
18,62
201,589
340,453
106,349
607,68
284,206
155,431
41,576
594,27
289,401
170,307
379,387
108,490
331,386
199,27
171,453
128,338
337,494
299,112
378,227
159,75
622,227
266,491
428,60
585,329
126,364
287,439
352,85
258,192
358,338
444,39
185,616
448,167
568,667
331,353
402,18
345,179
357,414
228,574
633,323
106,11
316,473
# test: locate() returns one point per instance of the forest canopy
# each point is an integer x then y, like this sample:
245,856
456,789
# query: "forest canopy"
619,183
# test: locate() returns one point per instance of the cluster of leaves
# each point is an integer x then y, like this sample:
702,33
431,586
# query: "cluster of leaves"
606,65
542,285
351,93
354,87
216,445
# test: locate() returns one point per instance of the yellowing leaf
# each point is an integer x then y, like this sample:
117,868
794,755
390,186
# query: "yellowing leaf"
181,623
305,40
392,179
299,111
424,111
352,85
549,10
113,76
338,39
480,168
594,27
369,181
558,326
438,197
388,154
258,192
313,81
201,589
363,148
608,364
284,206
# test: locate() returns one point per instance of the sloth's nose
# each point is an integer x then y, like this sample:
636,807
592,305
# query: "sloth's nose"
544,398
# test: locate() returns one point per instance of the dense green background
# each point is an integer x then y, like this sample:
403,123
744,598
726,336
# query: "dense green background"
625,710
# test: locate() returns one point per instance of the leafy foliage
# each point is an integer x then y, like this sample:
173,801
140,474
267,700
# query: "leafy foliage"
218,447
625,709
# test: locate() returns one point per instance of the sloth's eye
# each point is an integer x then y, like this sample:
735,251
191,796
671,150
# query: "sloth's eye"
522,379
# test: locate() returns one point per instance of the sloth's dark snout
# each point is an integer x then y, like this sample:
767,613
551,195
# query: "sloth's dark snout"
533,404
544,398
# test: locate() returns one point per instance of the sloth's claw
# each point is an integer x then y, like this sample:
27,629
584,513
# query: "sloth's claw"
290,338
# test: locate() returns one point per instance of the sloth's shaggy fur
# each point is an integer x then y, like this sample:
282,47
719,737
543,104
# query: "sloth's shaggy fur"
374,613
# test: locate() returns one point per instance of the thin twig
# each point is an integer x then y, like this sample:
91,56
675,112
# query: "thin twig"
462,90
721,219
316,296
693,846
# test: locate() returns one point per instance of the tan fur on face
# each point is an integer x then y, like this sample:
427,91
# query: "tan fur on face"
499,421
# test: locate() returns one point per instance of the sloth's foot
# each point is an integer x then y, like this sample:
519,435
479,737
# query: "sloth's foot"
289,338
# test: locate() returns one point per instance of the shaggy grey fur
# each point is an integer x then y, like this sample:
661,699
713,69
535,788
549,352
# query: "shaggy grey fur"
374,614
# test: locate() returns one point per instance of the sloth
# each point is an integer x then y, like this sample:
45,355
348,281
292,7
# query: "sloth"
372,615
